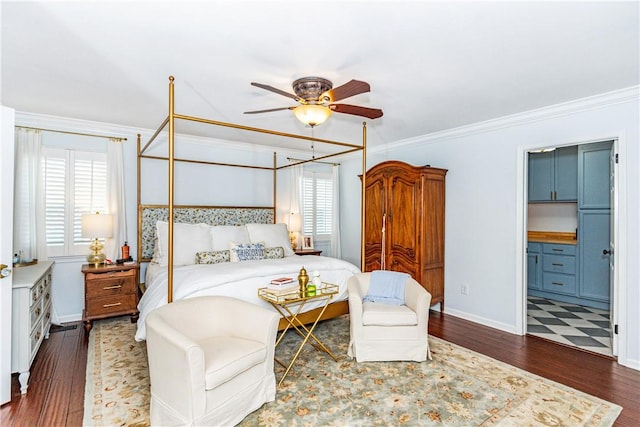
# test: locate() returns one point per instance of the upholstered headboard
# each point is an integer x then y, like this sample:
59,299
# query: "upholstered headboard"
212,215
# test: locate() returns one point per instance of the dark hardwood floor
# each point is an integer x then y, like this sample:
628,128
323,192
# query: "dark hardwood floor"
56,387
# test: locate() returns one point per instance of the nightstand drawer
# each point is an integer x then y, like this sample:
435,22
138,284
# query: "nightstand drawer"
111,304
102,285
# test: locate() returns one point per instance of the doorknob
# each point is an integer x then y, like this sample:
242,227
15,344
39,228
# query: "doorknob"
606,252
4,271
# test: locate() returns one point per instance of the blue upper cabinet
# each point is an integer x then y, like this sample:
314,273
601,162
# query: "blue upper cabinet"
594,166
553,175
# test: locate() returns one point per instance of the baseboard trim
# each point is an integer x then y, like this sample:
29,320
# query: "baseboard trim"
481,320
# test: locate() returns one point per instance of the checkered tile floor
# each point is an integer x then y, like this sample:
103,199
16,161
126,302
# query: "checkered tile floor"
574,325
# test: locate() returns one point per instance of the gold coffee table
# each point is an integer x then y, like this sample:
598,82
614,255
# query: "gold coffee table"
290,305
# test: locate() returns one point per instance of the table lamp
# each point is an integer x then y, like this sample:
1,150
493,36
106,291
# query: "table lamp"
96,226
295,225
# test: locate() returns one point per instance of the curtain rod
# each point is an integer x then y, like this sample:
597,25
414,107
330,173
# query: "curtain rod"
312,160
119,138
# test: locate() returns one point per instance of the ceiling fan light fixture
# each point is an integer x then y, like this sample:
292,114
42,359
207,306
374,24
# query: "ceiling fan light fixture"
312,114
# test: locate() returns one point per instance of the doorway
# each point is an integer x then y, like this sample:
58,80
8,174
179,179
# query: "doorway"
570,226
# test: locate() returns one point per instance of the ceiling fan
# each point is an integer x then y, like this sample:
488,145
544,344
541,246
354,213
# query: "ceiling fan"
317,97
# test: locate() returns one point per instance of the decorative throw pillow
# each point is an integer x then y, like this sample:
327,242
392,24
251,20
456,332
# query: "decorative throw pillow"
246,251
212,257
274,253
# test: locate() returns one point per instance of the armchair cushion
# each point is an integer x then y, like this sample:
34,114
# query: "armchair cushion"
387,315
227,357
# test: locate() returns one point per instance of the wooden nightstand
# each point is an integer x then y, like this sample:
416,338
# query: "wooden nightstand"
109,291
307,252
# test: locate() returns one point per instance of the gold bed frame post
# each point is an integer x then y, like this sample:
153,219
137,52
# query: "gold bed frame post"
139,200
171,187
363,192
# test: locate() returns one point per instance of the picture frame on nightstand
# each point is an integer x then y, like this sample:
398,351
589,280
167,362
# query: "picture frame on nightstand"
307,242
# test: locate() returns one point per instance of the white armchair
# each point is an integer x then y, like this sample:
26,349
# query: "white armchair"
210,360
384,332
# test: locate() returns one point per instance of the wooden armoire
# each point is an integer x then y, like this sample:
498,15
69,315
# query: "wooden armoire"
404,223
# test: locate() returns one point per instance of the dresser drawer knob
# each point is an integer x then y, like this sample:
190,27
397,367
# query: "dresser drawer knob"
112,305
38,311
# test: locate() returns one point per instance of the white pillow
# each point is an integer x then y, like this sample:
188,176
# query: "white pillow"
222,235
187,240
272,235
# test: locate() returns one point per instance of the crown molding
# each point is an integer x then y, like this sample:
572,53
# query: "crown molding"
606,99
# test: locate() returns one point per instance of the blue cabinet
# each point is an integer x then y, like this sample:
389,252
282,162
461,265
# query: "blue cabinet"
553,175
534,266
594,172
593,236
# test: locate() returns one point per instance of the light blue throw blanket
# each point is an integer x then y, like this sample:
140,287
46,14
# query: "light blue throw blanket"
386,287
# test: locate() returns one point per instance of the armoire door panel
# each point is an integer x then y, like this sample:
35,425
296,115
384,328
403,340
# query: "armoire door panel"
405,209
433,220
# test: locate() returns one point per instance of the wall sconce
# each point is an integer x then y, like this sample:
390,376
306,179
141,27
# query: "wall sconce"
96,226
295,225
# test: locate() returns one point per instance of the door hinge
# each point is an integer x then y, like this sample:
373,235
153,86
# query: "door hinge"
615,329
616,158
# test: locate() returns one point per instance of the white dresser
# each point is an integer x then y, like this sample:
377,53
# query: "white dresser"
31,316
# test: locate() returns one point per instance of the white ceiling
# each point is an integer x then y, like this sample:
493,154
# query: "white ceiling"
431,65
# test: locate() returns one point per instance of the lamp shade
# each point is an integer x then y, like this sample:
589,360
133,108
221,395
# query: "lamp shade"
97,226
295,222
312,114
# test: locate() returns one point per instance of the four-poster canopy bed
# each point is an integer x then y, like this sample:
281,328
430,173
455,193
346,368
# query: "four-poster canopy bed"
162,228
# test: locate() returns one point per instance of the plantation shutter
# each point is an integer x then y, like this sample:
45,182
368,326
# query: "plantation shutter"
75,183
317,204
55,197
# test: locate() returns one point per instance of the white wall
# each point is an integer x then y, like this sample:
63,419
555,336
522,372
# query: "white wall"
552,217
485,206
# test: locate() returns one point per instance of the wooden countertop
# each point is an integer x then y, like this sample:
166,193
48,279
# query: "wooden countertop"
566,238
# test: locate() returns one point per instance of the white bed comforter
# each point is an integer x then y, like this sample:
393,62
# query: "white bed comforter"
236,279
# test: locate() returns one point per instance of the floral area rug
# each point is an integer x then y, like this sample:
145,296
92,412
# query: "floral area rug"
457,388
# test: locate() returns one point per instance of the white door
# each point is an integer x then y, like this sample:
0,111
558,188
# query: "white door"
612,253
6,248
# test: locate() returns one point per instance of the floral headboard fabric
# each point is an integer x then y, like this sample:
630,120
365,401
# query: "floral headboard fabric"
150,215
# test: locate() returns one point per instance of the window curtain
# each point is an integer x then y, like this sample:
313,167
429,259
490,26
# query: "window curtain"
29,234
115,198
295,198
336,252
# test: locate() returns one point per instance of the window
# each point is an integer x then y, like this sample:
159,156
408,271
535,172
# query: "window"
317,201
75,183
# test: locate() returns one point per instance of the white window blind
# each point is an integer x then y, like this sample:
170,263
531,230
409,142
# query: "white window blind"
317,204
75,183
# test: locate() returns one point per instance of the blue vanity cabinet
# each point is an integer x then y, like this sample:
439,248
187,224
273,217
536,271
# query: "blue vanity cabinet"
593,235
594,172
553,175
534,266
559,268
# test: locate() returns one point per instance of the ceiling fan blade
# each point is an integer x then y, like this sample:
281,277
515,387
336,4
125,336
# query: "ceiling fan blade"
351,88
269,110
370,113
273,89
